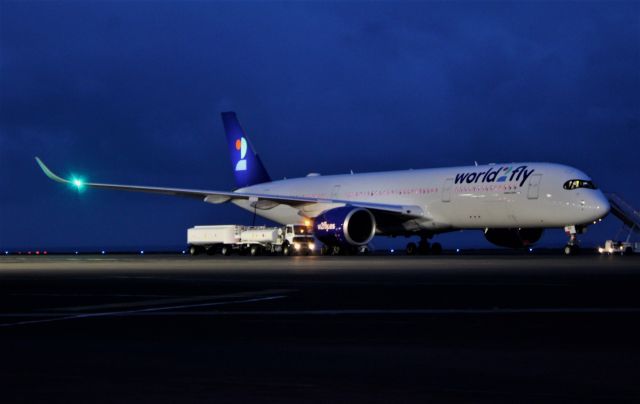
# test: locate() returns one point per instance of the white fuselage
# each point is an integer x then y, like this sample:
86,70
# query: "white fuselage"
515,195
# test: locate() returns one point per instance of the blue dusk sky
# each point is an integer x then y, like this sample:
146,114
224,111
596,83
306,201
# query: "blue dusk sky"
131,92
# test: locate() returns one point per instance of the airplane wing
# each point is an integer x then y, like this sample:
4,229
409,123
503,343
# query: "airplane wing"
260,201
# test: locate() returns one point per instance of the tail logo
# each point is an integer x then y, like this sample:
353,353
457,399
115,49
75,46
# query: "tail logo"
241,146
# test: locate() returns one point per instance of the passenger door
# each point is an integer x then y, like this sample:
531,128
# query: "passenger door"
534,186
446,190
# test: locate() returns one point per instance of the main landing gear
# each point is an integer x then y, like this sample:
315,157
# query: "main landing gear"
424,248
572,247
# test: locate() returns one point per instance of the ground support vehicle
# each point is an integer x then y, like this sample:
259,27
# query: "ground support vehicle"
252,240
612,247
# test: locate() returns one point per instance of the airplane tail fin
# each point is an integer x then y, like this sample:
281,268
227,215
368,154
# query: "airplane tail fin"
247,166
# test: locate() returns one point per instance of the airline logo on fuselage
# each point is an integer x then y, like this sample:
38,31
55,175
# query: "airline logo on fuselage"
500,174
241,146
326,226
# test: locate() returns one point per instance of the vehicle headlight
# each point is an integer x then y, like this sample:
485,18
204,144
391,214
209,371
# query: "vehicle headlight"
296,246
312,246
600,250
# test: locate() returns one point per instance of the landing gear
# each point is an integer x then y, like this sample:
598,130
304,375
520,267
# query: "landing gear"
194,250
412,249
572,247
424,248
225,250
436,249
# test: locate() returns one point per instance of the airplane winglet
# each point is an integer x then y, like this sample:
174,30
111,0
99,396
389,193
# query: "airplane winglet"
50,173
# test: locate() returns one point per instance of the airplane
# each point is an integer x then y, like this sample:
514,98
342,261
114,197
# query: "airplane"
511,203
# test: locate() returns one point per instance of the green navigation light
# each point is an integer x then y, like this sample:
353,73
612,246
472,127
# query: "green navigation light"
78,183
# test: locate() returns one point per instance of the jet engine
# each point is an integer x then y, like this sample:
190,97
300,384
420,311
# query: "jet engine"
345,226
513,238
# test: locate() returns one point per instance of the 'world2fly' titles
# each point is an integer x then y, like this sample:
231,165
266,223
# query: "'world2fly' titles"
500,174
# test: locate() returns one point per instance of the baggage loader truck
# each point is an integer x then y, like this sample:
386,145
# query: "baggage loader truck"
253,240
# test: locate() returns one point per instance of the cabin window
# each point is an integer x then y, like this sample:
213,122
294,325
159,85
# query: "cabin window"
575,184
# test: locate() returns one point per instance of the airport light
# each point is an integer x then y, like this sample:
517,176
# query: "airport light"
530,249
184,252
103,252
457,250
141,252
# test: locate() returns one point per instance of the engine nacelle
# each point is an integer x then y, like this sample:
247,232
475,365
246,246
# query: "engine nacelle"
513,238
345,226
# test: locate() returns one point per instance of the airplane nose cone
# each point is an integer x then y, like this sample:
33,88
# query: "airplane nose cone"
601,205
605,207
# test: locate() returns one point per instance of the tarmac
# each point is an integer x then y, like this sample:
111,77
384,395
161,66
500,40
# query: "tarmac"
171,328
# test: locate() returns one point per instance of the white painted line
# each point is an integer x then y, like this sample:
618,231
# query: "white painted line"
162,311
138,311
171,300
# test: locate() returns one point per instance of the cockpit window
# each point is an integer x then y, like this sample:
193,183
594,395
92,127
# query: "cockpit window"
575,184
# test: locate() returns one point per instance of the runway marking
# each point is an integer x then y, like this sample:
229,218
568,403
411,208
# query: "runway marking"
138,311
162,311
143,303
87,295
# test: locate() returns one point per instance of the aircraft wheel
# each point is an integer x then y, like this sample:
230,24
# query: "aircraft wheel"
225,250
324,250
411,249
193,250
436,249
571,249
286,250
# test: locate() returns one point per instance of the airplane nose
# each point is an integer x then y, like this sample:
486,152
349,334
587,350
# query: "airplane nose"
602,205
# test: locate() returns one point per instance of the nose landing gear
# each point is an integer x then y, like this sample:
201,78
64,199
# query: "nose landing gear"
572,247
